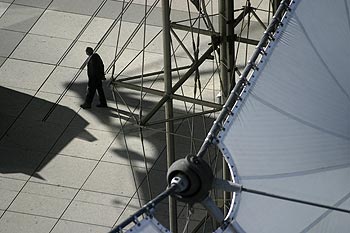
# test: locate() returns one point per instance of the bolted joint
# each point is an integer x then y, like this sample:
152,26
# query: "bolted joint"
181,182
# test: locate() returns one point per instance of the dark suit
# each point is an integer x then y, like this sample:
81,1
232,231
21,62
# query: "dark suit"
95,70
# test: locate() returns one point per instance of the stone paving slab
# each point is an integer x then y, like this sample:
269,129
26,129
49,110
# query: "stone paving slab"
60,79
3,7
114,179
94,208
59,24
18,222
9,41
80,7
20,18
2,60
34,3
43,200
24,74
64,226
42,49
89,144
73,171
9,189
8,1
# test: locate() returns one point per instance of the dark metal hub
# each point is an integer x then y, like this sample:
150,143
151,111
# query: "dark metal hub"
198,175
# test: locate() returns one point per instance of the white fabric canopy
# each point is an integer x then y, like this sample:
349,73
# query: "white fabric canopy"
148,225
291,134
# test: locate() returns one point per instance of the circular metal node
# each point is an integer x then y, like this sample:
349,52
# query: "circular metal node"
199,178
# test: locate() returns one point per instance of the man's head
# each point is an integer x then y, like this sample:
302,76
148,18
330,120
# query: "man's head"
89,51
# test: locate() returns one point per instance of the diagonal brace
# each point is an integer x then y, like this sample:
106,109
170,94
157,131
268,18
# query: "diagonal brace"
182,80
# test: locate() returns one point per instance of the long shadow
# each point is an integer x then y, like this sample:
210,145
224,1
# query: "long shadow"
26,141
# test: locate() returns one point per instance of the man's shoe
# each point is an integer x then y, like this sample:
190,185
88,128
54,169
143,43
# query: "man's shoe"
101,105
85,106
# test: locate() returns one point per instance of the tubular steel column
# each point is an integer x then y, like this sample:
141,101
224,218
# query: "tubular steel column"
169,126
223,49
230,44
224,78
229,13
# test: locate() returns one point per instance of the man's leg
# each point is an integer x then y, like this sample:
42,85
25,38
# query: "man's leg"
102,97
89,97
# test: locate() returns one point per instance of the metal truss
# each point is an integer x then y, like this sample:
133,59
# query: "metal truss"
222,43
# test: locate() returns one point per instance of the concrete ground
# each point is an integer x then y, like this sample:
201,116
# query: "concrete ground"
66,169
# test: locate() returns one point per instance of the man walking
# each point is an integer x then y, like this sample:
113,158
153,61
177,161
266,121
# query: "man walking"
95,71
